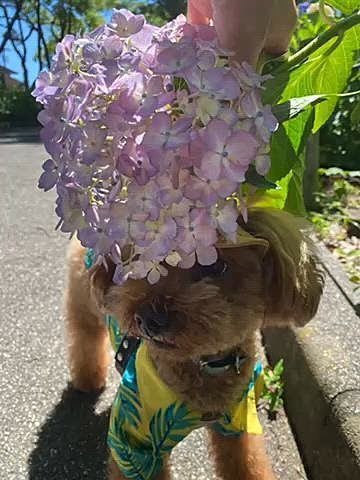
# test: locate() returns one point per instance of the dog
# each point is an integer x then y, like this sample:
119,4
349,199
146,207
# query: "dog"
194,336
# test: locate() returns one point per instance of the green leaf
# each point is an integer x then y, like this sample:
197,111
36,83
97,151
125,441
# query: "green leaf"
279,368
299,129
283,155
346,6
355,115
294,202
287,165
274,88
180,84
291,108
257,180
289,195
325,72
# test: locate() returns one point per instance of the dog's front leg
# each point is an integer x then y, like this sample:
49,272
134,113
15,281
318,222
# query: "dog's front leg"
88,343
241,458
115,474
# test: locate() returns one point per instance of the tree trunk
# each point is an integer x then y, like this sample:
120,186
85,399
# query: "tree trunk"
10,23
311,180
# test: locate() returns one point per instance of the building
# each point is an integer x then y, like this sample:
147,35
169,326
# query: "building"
5,78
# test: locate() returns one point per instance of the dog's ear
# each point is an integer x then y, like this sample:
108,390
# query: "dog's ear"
293,277
100,282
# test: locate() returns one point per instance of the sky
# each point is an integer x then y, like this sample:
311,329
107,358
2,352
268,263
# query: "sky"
11,60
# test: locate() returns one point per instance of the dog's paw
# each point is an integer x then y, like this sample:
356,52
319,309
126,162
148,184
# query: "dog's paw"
87,384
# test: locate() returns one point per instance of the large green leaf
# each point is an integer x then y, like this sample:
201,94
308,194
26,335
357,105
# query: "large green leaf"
289,196
283,155
346,6
258,181
287,166
295,198
291,108
299,129
326,72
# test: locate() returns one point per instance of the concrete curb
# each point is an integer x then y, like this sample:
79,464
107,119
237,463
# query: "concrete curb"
20,134
322,382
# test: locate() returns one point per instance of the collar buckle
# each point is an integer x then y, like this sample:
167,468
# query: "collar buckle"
223,365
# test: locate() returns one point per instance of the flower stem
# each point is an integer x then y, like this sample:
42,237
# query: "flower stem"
336,30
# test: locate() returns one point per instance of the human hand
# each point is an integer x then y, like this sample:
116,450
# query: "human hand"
248,27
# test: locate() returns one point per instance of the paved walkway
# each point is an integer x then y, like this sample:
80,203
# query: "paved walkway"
48,431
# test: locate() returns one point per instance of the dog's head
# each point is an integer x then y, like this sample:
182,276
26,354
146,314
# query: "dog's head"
273,280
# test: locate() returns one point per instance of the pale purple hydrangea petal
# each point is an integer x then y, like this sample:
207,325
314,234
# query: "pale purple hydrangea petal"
206,255
135,163
50,175
226,219
265,121
176,57
187,261
144,198
215,135
262,164
241,148
207,191
248,76
211,165
125,23
163,134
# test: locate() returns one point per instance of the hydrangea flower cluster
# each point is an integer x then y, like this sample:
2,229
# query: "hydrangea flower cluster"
151,134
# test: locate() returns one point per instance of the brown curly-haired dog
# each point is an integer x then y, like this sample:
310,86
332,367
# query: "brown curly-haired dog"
211,312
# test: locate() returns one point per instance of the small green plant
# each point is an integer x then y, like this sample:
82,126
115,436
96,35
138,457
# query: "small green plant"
336,219
274,387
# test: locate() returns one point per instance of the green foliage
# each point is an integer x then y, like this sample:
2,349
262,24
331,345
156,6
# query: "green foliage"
293,107
346,6
17,107
274,387
59,18
307,85
340,137
337,217
258,181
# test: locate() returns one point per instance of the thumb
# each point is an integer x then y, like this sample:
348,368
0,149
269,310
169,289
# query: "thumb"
196,15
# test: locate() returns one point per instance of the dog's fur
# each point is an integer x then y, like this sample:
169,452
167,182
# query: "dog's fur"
262,287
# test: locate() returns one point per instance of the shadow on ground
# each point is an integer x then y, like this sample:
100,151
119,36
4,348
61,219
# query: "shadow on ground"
71,444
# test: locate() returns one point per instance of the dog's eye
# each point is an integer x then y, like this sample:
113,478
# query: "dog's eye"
217,269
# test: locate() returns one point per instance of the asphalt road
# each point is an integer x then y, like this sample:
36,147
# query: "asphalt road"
47,430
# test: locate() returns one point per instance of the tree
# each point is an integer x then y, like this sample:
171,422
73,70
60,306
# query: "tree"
10,21
50,21
17,33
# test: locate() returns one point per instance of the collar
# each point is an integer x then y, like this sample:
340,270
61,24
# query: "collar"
221,365
210,365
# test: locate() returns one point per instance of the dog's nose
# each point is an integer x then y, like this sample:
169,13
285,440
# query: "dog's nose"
152,318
